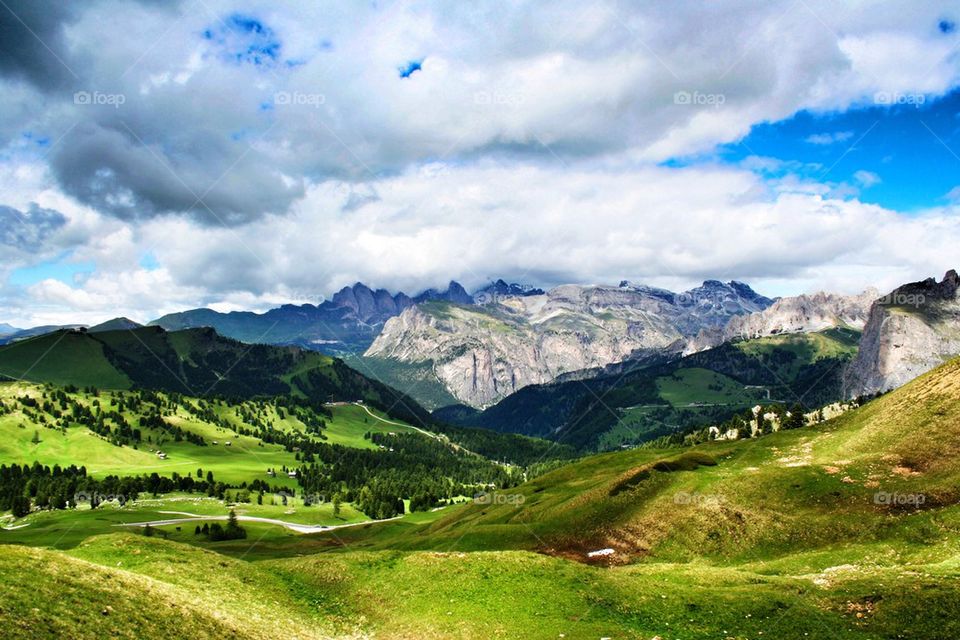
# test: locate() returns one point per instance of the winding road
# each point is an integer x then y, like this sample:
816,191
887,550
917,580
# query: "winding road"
293,526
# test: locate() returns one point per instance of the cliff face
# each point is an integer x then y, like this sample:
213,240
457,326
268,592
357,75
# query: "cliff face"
482,353
798,314
910,331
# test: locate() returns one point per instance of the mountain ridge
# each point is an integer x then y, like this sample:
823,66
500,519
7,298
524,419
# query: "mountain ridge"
482,353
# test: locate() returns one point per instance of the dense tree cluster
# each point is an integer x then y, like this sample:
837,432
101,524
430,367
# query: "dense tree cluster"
425,471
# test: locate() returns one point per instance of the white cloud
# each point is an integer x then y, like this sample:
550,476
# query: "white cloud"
526,146
829,138
866,179
542,225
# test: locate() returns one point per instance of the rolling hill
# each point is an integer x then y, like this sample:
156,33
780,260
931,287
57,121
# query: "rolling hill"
847,529
887,473
195,362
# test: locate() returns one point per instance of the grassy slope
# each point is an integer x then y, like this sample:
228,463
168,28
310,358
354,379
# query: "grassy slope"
61,358
783,493
195,362
779,536
244,460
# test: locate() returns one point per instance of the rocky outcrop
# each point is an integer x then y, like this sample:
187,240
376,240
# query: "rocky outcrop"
454,293
910,331
500,290
369,306
484,352
797,314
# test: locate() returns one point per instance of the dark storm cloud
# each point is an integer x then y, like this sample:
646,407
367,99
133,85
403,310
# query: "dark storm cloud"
32,41
28,230
116,171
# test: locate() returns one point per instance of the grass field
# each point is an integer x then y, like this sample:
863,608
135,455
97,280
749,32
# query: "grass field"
244,459
697,386
65,358
800,534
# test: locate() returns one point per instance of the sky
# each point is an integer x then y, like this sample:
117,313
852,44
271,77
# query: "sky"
158,156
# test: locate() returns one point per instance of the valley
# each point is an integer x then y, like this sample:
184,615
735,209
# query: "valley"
253,490
503,320
780,536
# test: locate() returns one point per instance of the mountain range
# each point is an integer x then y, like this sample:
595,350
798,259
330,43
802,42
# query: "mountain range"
347,323
462,350
482,353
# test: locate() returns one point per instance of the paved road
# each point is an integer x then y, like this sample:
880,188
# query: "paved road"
293,526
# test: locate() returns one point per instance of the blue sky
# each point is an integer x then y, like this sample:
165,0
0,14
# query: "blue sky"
63,268
913,149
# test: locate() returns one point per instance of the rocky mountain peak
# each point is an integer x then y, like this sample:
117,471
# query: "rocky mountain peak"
369,306
454,293
911,330
497,291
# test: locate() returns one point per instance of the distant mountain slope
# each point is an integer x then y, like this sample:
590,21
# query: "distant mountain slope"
21,334
481,353
702,388
6,329
346,324
196,362
797,314
911,330
116,324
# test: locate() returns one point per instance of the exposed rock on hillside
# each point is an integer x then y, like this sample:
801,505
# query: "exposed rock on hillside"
910,331
482,353
798,314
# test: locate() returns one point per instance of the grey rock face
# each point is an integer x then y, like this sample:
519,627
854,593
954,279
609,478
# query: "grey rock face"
798,314
483,352
910,331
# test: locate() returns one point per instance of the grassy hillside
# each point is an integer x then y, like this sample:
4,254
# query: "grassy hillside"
64,439
847,529
887,473
705,388
195,362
